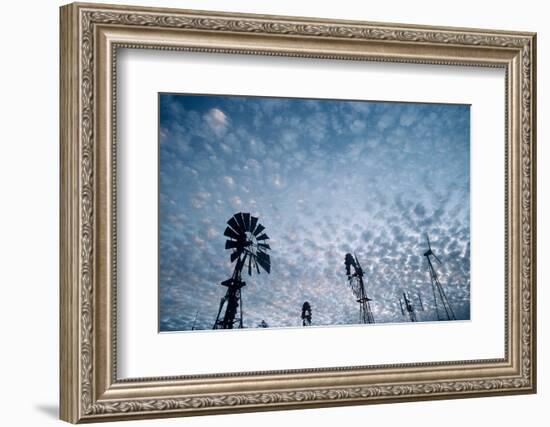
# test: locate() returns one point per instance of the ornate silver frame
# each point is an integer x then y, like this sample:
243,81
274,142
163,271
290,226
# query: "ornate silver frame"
90,36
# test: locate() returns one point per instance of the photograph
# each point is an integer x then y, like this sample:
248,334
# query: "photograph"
286,212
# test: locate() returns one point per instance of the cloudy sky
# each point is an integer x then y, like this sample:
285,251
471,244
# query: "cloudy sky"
325,178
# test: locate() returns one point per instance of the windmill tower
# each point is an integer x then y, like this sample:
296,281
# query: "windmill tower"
306,314
357,286
440,299
408,307
248,250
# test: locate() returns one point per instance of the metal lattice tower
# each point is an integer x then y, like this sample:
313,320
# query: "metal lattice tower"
408,307
248,245
440,299
357,286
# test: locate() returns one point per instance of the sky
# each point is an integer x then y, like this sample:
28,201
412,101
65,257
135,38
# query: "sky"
325,177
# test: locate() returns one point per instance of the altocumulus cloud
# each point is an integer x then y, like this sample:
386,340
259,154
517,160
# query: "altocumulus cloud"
325,178
217,120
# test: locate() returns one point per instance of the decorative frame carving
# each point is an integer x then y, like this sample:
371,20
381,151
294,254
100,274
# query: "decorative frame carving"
90,36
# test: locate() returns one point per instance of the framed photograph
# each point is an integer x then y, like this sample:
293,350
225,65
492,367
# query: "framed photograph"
266,212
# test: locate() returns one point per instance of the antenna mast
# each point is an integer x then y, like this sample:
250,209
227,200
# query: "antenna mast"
408,307
440,299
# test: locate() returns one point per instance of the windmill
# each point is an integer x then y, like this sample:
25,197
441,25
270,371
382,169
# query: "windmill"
357,286
248,245
306,314
409,307
263,324
437,289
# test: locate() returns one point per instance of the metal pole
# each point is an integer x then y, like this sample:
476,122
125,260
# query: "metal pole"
432,274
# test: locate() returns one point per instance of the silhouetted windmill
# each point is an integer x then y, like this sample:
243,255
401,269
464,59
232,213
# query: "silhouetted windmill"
437,289
409,307
249,250
357,286
263,324
306,314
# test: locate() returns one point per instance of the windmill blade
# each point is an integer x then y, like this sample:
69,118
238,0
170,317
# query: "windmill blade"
262,237
235,225
259,229
265,265
264,245
250,265
240,221
253,222
438,260
256,265
428,239
232,244
246,218
264,261
262,256
229,232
